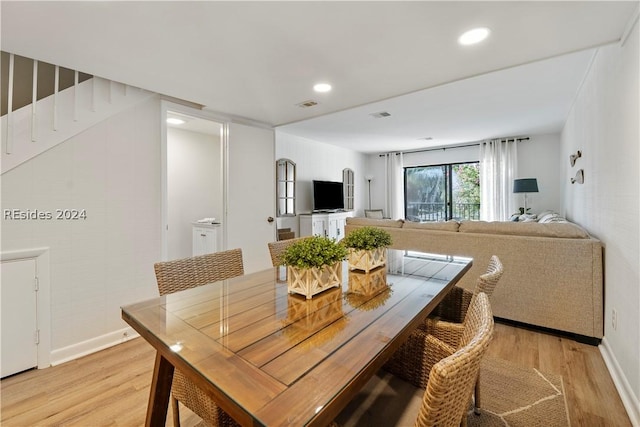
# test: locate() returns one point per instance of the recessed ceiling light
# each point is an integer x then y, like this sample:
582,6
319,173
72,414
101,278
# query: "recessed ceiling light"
473,36
322,87
174,121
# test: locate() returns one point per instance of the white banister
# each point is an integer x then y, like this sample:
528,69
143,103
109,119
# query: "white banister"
34,101
56,85
9,146
94,82
59,114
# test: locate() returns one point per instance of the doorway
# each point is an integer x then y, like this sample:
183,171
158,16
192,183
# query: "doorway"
193,159
245,177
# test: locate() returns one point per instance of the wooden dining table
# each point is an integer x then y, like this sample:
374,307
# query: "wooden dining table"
271,358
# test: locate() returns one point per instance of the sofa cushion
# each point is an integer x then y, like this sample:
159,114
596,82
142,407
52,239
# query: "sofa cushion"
442,225
394,223
562,230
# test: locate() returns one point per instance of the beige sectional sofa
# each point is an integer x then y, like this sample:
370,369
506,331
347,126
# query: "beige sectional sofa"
553,271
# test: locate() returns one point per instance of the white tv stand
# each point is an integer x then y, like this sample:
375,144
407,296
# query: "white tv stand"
328,224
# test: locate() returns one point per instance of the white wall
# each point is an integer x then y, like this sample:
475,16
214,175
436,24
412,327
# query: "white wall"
541,158
537,158
319,161
603,124
111,170
194,188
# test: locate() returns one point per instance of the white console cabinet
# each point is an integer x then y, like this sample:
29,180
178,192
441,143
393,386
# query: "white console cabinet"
330,225
205,238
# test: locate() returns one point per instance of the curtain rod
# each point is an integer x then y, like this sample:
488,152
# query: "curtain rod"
444,148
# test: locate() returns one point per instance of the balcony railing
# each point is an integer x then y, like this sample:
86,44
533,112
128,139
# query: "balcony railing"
438,211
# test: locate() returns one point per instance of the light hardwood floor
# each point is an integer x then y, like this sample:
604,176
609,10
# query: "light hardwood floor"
110,388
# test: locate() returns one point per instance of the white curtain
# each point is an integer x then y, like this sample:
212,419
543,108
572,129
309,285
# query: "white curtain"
498,169
394,194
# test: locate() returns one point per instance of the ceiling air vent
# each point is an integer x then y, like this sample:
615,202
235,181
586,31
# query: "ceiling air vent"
307,104
380,115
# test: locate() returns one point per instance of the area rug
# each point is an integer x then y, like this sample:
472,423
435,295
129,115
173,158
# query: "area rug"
516,396
511,396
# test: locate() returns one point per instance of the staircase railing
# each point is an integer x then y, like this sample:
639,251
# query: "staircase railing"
55,105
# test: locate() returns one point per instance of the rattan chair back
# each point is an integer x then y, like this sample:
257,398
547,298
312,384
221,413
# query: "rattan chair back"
487,282
276,249
186,273
455,304
451,380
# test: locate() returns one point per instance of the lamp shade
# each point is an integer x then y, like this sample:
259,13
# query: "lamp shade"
525,185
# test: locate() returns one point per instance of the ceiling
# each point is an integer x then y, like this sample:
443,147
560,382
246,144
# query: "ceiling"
259,60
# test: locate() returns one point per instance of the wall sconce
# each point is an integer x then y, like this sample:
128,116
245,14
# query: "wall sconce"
579,177
574,157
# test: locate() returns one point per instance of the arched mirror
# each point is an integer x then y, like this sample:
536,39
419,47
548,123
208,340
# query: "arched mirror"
286,187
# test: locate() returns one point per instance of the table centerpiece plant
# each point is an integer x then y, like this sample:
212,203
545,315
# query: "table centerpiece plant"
314,264
367,247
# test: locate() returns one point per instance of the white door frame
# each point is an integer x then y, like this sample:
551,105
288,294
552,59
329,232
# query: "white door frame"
226,122
43,298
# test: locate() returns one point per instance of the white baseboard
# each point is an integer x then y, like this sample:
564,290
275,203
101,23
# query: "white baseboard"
629,399
93,345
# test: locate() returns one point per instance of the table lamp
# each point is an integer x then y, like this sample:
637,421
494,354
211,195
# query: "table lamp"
525,185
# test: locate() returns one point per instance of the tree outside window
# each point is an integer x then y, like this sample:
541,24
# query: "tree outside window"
443,192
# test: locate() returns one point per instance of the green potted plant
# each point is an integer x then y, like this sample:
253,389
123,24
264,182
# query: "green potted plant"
367,247
313,265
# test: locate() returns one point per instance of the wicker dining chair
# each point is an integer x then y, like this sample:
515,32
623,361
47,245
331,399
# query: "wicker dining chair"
454,307
276,249
412,365
451,379
449,373
181,274
444,323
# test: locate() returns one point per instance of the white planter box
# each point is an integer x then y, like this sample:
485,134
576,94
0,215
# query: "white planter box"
367,260
311,281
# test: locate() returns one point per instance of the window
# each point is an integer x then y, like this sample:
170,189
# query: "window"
443,192
348,187
286,187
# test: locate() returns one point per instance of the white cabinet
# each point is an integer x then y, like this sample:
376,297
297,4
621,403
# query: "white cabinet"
330,225
205,238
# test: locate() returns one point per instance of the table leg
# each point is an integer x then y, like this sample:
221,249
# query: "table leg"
160,392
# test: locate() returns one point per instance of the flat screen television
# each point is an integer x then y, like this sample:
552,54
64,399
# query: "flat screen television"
327,196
